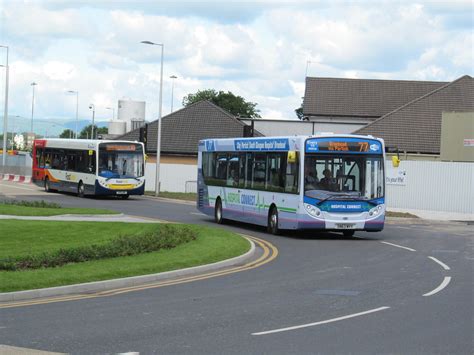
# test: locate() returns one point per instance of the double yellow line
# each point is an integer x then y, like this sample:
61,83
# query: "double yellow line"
270,252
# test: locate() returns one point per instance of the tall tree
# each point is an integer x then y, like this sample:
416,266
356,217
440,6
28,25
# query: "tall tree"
67,133
236,105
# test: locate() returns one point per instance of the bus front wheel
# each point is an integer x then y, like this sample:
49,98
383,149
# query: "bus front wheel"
218,212
272,226
80,189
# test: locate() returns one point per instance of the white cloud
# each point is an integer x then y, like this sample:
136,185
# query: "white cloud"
56,70
96,50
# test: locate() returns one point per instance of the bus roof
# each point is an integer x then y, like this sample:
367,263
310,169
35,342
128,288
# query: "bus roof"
278,143
76,143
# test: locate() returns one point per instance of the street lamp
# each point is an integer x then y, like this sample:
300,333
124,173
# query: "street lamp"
5,113
33,84
92,107
172,77
158,136
77,107
113,112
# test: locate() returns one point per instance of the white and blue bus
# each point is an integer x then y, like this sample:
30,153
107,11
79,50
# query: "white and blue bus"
324,182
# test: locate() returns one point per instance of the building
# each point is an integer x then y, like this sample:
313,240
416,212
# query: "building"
416,127
182,130
345,105
269,127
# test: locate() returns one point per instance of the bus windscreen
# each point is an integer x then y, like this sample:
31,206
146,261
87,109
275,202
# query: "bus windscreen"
121,160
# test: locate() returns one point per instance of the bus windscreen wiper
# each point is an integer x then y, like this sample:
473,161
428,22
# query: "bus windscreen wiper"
349,197
330,197
364,200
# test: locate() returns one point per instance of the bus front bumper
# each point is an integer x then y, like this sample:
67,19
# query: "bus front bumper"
100,190
342,223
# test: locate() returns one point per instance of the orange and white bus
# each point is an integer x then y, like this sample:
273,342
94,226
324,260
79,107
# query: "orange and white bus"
89,167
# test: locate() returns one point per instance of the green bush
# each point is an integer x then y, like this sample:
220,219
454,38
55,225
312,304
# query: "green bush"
165,237
40,204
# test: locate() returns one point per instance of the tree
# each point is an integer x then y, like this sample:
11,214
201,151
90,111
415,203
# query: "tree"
299,112
86,132
236,105
67,133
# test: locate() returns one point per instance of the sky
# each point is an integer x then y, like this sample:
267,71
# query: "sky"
260,50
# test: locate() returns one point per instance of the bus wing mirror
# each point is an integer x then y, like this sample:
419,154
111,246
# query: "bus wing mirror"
395,161
291,156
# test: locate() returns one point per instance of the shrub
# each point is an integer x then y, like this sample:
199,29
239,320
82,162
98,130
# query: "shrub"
164,237
39,204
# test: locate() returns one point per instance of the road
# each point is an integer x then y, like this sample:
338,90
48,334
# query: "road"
408,289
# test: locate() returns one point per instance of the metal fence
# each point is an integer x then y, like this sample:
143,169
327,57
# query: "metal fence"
173,177
433,186
16,164
427,185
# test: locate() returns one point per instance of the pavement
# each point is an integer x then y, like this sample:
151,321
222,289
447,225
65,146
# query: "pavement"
436,215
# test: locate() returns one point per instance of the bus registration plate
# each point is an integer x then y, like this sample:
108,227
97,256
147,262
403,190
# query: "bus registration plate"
345,225
121,192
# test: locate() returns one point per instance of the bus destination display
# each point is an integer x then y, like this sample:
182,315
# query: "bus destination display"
341,145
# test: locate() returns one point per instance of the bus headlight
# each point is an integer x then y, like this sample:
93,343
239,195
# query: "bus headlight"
312,210
375,211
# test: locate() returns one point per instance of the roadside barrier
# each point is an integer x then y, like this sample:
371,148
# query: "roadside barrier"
16,178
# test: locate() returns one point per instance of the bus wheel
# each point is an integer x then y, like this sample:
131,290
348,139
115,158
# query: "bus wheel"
348,233
47,188
80,189
272,226
218,212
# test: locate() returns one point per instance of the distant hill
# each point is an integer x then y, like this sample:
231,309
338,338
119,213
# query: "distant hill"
48,126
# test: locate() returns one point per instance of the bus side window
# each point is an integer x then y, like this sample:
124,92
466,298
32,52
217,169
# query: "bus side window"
248,170
233,170
242,169
259,171
91,166
39,157
275,181
219,173
291,181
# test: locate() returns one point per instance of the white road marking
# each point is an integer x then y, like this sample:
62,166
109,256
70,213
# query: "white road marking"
443,265
446,281
198,213
21,188
398,246
322,322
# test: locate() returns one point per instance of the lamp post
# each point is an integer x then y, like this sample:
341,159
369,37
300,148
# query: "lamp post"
113,112
92,107
172,77
77,108
5,113
33,84
158,136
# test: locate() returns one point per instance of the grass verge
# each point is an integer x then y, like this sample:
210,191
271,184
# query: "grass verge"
400,214
211,245
186,196
17,209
